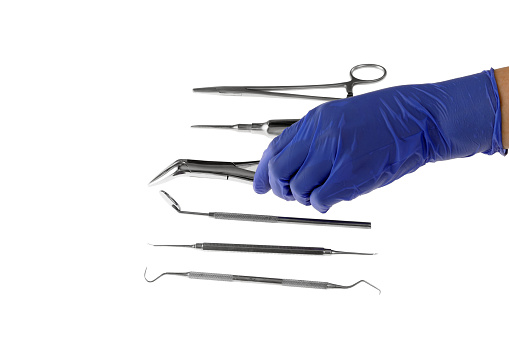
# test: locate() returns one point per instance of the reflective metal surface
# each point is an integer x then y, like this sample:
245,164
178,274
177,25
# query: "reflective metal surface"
267,90
269,128
268,218
240,171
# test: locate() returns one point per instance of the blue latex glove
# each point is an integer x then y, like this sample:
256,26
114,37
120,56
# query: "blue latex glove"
349,147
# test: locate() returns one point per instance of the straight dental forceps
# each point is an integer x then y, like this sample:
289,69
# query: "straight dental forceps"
267,90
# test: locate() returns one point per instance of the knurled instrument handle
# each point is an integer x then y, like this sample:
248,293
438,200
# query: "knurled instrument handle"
244,217
285,282
210,276
263,248
305,283
288,220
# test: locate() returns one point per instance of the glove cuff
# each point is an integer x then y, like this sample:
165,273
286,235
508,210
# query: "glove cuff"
496,141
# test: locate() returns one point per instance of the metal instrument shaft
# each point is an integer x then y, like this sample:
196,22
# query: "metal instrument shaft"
246,278
267,218
269,128
206,246
274,91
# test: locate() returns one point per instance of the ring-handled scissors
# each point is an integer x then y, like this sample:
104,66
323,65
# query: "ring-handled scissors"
268,90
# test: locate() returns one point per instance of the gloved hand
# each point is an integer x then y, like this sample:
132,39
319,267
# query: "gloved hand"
349,147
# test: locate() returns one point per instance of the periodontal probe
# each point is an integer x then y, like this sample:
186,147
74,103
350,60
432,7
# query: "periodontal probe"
206,246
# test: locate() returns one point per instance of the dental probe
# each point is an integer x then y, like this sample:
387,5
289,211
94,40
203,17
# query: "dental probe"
206,246
246,278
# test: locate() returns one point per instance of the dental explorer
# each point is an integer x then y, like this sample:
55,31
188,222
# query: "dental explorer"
206,246
246,278
266,218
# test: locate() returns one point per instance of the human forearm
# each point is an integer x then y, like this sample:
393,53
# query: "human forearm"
502,77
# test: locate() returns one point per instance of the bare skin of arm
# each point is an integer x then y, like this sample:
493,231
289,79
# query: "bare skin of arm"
502,77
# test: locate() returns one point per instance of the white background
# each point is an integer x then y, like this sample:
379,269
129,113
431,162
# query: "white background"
95,100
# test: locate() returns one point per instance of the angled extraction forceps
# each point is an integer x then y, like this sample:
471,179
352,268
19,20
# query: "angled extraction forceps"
236,171
269,90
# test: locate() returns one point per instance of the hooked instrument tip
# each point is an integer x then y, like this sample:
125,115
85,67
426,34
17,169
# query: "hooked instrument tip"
376,288
163,274
357,283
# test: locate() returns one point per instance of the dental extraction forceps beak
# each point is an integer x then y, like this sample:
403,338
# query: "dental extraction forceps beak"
268,90
239,171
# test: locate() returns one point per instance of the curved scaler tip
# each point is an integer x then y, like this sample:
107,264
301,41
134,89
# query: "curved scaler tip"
145,275
165,273
357,283
364,281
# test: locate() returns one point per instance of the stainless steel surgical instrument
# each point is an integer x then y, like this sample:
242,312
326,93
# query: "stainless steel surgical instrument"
246,278
268,90
267,218
237,171
207,246
270,128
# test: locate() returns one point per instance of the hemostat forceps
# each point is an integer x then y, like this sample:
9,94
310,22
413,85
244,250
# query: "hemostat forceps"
268,90
237,171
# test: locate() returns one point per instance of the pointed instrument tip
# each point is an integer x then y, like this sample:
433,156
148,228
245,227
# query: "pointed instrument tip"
154,181
168,173
214,126
187,246
205,90
355,253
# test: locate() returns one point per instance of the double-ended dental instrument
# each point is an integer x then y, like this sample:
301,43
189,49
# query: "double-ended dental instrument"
207,246
245,278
